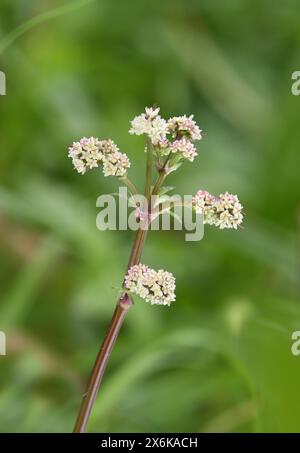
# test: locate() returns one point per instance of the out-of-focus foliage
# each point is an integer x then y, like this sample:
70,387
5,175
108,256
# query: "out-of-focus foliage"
220,358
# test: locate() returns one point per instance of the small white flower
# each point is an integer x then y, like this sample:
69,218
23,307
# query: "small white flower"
184,147
151,124
156,287
151,112
179,126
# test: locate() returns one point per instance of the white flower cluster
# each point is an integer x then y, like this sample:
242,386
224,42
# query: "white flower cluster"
85,154
151,124
182,131
184,147
224,211
91,152
156,287
179,126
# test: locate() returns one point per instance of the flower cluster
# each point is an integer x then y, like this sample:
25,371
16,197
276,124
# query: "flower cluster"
156,287
115,163
224,211
180,126
174,136
184,147
85,154
151,124
91,152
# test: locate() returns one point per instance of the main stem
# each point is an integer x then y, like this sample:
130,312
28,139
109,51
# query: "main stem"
123,305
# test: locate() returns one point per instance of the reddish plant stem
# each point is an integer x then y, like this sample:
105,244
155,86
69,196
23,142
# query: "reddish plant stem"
89,397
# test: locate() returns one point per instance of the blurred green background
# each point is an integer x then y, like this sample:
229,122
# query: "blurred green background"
220,358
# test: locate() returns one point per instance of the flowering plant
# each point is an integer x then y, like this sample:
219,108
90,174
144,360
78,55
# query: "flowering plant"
169,143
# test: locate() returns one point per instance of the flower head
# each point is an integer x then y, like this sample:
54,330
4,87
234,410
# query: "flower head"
91,152
180,126
224,211
151,124
156,287
228,211
85,154
184,147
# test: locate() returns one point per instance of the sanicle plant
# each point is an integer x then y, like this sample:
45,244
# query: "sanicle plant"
168,144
